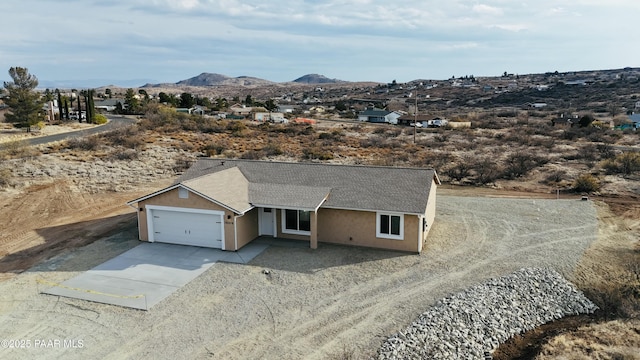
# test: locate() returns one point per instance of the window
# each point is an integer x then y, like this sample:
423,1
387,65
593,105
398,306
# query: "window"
183,193
296,222
390,226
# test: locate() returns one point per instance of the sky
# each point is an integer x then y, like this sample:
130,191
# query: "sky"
91,43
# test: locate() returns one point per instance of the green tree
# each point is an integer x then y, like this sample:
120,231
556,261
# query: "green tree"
25,103
248,100
586,120
187,100
131,102
108,92
60,106
271,105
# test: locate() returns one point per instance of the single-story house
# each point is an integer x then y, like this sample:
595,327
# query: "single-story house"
226,204
375,115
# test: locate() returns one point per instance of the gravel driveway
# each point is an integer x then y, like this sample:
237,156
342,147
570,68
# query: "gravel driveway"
313,304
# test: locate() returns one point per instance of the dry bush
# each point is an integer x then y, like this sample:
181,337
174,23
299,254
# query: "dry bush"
215,148
17,149
586,183
252,155
129,137
626,164
486,170
272,149
84,143
313,153
555,177
6,177
124,154
520,164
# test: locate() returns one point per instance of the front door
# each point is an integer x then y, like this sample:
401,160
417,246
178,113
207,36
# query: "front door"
267,221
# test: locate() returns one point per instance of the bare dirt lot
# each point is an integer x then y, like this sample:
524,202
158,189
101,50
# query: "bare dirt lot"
313,304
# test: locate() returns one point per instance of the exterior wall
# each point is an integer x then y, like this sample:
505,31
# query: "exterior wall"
170,198
358,228
247,227
430,213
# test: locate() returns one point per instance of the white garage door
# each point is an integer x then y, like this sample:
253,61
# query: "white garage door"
186,227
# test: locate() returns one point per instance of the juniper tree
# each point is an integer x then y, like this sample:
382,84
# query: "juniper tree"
25,103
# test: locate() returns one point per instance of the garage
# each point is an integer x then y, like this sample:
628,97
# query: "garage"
184,226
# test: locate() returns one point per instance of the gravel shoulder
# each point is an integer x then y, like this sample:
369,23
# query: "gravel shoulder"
313,304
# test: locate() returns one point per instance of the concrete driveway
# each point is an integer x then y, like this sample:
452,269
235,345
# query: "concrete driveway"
148,273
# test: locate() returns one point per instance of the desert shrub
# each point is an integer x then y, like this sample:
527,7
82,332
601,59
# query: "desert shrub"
252,155
100,119
6,177
209,126
372,141
555,177
17,149
586,183
186,146
627,164
128,137
125,154
83,143
212,149
486,171
459,170
606,151
520,164
272,149
379,130
316,153
326,136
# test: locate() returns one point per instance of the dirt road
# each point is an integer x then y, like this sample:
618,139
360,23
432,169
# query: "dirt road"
313,304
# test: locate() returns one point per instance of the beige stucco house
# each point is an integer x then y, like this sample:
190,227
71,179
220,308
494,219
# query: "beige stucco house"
228,203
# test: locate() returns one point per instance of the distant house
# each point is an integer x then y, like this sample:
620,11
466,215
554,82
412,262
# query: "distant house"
287,108
108,104
269,116
375,115
538,105
241,110
196,110
565,119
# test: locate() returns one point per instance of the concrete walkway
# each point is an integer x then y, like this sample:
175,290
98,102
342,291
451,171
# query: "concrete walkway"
148,273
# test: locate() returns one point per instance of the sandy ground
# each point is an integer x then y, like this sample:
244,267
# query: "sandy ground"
9,133
314,304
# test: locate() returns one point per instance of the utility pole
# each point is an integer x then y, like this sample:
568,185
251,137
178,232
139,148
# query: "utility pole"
415,119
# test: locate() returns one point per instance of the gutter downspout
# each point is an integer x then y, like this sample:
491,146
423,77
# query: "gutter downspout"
420,232
235,231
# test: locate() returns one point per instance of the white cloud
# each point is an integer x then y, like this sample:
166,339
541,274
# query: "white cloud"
487,10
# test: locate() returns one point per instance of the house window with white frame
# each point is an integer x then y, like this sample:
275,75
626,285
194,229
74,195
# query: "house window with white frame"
390,226
296,222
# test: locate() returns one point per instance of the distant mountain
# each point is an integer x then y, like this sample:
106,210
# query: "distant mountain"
89,83
316,79
209,79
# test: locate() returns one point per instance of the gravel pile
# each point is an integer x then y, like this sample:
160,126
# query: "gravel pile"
472,323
